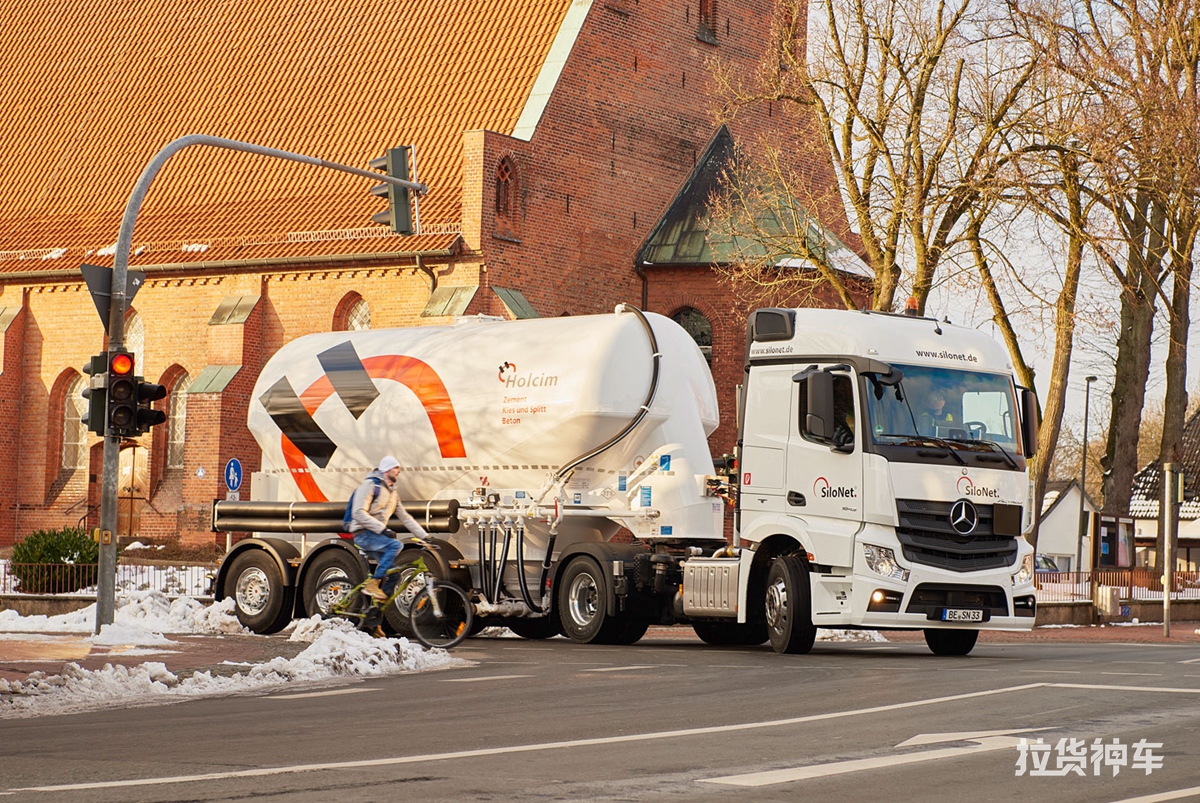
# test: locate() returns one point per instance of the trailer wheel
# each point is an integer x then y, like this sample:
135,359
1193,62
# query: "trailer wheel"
395,616
262,601
582,600
727,634
623,631
329,565
543,627
788,606
951,642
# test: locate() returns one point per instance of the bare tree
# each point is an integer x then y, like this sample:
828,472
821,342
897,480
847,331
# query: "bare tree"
1139,62
881,87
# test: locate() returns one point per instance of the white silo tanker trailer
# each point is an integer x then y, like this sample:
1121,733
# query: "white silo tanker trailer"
526,446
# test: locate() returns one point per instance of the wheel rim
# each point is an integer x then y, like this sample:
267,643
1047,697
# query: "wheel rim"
253,591
405,600
329,594
776,605
581,599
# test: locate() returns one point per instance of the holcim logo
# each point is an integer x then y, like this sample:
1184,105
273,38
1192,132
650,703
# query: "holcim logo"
824,490
968,488
511,379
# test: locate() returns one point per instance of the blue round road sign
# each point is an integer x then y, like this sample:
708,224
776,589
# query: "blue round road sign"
233,474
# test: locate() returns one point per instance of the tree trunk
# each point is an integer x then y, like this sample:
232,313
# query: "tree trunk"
1176,402
1139,295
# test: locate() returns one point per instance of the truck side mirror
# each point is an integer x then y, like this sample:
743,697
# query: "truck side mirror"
819,423
1030,421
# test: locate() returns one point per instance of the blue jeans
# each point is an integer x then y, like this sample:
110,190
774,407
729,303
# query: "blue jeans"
380,547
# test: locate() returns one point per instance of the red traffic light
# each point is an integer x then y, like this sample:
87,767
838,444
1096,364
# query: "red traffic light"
122,364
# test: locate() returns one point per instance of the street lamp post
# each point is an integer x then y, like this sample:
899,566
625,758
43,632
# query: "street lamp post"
1087,403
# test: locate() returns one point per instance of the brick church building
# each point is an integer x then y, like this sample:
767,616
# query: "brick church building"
566,145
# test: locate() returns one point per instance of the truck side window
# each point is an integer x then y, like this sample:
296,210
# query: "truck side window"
843,414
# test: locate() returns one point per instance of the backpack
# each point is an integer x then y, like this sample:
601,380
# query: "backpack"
348,516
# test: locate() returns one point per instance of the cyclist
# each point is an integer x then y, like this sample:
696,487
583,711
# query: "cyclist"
373,504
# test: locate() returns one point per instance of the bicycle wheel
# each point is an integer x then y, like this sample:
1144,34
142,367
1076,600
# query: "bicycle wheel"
337,596
446,624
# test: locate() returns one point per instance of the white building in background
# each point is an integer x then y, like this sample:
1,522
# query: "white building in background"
1059,531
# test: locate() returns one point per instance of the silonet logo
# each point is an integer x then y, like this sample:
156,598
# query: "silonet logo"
963,517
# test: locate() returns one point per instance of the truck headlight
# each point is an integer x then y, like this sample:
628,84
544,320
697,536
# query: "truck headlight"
1025,573
882,560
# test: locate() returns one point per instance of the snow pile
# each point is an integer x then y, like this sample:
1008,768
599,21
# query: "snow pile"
150,612
335,650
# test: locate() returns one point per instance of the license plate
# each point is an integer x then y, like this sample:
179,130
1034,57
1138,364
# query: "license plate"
961,615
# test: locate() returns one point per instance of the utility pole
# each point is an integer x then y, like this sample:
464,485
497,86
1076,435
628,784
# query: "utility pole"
106,590
1170,498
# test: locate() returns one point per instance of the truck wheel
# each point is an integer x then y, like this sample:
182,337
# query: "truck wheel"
329,565
395,616
263,602
951,642
623,631
725,634
542,627
582,600
788,604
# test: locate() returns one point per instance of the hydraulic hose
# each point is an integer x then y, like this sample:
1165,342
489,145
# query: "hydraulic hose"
656,357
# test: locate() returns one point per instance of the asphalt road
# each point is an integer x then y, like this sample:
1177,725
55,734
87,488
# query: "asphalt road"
662,720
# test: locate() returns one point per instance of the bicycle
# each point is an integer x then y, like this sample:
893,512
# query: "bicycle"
440,613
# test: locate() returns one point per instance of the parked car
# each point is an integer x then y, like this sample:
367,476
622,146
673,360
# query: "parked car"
1044,563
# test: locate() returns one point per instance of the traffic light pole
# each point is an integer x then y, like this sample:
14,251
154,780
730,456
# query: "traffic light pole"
106,590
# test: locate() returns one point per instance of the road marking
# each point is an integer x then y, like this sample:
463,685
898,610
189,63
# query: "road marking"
1178,794
1101,687
1055,671
521,748
1136,674
984,741
1191,661
964,669
624,668
1156,663
330,693
480,680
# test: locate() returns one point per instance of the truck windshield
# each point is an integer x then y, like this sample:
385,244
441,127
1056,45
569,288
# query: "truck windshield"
960,408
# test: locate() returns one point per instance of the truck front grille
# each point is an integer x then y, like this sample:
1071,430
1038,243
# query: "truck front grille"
927,537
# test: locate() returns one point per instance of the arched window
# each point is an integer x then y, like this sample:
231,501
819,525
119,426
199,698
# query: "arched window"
177,421
352,314
74,439
135,340
696,325
506,184
358,317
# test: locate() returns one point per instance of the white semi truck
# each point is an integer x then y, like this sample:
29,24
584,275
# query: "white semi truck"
528,445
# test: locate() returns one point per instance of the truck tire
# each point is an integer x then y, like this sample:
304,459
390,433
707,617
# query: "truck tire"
727,634
582,600
623,631
395,616
951,642
331,564
543,627
262,601
788,606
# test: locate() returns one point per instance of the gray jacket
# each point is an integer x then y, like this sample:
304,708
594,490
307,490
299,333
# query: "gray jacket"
372,508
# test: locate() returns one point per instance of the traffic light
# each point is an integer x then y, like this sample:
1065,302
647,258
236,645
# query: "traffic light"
398,215
122,395
96,393
147,394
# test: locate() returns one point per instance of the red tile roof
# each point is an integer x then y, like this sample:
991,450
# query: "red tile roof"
91,90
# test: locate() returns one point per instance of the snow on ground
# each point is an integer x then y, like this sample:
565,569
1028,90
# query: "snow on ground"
141,626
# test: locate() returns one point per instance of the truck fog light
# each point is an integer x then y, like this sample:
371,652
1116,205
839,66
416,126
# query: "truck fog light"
1025,573
882,560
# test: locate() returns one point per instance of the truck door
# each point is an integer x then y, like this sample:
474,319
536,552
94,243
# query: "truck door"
824,463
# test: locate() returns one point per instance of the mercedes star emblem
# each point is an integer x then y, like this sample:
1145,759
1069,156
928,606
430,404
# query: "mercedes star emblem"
963,517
